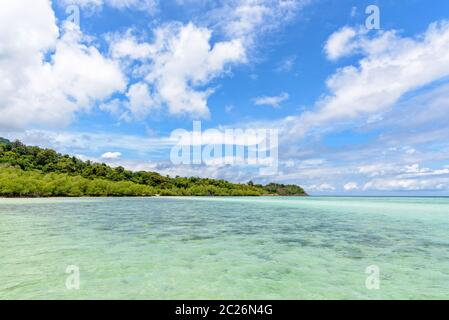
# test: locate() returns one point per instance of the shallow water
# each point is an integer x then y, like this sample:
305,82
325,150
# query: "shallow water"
224,248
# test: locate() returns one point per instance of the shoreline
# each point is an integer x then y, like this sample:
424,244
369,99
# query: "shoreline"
155,196
259,196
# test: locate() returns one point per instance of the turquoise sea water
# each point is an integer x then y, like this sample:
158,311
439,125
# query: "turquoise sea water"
224,248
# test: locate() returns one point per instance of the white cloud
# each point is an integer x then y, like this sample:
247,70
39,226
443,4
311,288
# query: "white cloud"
181,62
415,171
128,46
177,67
111,155
350,186
399,170
98,142
273,101
391,66
324,187
340,43
178,64
406,185
247,19
377,169
35,90
185,59
408,177
113,107
141,101
82,72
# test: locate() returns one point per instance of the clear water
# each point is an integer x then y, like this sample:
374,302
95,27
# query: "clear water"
224,248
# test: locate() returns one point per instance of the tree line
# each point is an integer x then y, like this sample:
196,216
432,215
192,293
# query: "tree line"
29,171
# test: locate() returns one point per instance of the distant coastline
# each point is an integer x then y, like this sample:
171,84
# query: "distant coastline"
33,172
153,196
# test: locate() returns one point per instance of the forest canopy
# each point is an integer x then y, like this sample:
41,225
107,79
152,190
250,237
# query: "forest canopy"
29,171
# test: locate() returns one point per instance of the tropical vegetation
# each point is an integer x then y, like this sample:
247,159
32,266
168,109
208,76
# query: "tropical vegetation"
29,171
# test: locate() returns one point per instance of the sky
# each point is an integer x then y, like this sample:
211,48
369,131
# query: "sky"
360,104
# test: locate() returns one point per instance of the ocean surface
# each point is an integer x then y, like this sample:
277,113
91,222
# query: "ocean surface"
224,248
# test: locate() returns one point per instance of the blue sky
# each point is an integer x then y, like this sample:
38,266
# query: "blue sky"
359,112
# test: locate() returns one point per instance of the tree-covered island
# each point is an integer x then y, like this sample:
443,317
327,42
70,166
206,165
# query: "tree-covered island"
28,171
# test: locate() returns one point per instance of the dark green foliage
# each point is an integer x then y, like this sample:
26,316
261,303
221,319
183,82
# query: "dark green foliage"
32,171
284,190
15,182
4,141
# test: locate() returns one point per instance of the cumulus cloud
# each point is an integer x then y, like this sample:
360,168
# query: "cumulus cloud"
273,101
409,177
406,185
111,155
350,186
48,91
247,19
182,82
340,43
376,169
176,75
391,67
177,65
324,187
128,46
140,101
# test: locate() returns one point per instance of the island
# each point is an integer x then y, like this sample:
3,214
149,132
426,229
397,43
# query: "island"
30,171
